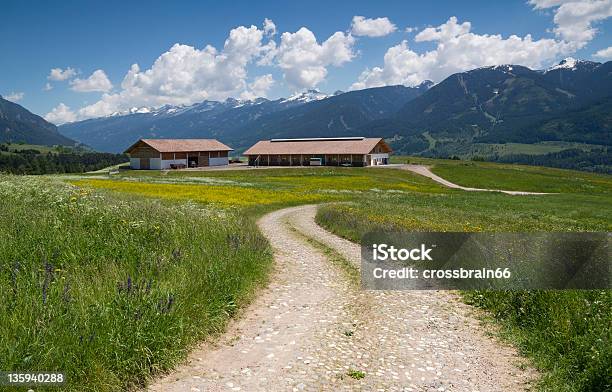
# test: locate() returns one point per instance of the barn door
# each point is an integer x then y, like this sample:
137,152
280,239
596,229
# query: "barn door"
203,160
145,163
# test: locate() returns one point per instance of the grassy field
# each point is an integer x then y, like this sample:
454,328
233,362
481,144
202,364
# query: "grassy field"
102,286
516,177
566,333
257,190
486,149
16,147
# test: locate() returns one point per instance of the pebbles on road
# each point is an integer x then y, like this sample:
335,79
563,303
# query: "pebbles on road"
312,329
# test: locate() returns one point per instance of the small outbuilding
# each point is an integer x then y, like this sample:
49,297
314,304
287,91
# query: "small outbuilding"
340,151
157,154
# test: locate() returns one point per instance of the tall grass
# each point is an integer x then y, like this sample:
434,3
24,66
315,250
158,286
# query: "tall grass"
566,333
111,289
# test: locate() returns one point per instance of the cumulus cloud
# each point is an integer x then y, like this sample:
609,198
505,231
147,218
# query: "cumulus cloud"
604,54
574,19
377,27
97,81
304,61
444,32
14,96
259,87
269,27
60,114
185,75
48,87
457,50
58,74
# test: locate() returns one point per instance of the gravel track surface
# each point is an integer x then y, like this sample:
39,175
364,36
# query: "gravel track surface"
312,329
425,171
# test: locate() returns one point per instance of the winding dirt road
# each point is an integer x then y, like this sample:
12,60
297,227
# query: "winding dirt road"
425,171
313,329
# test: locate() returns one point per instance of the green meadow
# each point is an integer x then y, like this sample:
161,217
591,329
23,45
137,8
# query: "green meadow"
101,286
100,267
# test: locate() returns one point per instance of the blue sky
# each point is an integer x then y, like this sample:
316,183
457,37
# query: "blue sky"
111,36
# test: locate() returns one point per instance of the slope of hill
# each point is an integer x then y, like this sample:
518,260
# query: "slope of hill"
340,115
510,103
17,124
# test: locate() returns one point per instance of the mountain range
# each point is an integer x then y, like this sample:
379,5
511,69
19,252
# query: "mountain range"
241,123
570,102
486,111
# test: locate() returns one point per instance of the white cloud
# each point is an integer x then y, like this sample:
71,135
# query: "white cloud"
604,54
410,29
97,81
444,32
574,19
377,27
58,74
269,27
48,87
14,96
304,61
457,50
185,75
259,87
60,115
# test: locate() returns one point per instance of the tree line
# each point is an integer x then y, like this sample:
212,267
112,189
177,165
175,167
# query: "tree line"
32,161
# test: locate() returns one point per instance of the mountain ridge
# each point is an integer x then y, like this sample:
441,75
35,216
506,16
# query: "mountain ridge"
494,104
508,103
239,123
17,124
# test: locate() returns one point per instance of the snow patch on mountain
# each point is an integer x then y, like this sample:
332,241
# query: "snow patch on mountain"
426,84
306,96
568,63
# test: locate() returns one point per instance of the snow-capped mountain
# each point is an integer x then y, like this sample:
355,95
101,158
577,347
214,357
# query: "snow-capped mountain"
306,96
573,64
507,103
503,103
240,122
203,119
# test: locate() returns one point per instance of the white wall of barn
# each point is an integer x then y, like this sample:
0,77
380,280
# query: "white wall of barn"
155,163
159,164
374,158
165,164
218,161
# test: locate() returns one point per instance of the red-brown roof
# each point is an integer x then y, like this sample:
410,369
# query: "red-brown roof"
316,146
182,145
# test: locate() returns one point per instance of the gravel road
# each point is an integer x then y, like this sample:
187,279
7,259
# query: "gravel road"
312,329
425,171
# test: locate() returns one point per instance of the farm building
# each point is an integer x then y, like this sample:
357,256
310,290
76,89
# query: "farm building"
159,154
341,151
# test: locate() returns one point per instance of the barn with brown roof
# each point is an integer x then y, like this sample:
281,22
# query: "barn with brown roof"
341,151
157,154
